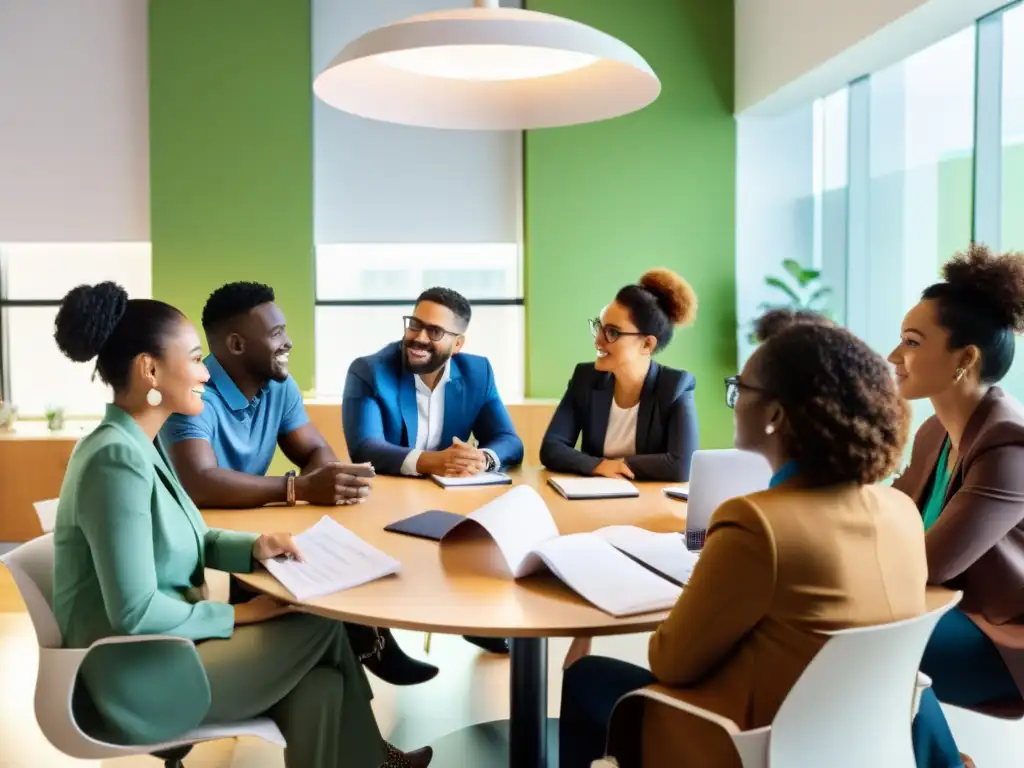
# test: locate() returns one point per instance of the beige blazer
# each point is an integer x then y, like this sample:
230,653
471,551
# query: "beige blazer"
977,544
778,570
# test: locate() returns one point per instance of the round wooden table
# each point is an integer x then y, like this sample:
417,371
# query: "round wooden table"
465,587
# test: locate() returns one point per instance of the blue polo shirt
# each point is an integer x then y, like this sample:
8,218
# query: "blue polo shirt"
243,433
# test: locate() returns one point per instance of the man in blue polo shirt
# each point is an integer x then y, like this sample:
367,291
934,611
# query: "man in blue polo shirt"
252,406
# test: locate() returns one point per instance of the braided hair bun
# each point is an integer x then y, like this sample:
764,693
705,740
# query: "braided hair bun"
675,296
87,318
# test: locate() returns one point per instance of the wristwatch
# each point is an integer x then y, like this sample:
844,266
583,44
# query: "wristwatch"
492,464
289,480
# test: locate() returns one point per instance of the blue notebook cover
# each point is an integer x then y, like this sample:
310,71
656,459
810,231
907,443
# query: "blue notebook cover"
431,525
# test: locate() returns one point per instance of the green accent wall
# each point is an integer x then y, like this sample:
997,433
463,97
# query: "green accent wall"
607,201
231,155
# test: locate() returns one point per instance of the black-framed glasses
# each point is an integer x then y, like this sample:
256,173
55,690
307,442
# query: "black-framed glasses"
734,385
414,326
609,333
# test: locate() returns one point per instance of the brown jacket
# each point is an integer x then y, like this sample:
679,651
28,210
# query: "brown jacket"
779,568
977,544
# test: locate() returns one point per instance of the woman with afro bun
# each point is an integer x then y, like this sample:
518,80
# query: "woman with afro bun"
130,552
966,475
637,417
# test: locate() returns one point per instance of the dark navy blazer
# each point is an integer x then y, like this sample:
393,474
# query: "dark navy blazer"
666,427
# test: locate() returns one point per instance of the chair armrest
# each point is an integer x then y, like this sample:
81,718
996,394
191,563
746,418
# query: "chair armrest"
923,681
55,683
670,701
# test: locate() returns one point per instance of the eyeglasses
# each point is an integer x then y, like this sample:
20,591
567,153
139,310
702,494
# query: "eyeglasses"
733,385
609,333
413,327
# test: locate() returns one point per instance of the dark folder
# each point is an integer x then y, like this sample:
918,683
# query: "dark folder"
431,525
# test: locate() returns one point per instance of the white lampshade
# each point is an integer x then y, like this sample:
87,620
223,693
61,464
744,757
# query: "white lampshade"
487,68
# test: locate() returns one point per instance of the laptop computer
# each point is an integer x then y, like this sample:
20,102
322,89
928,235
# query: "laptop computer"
715,477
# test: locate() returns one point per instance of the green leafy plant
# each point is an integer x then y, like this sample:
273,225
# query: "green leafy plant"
800,289
55,418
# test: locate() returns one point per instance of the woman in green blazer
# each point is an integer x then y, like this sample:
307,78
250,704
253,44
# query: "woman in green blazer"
130,554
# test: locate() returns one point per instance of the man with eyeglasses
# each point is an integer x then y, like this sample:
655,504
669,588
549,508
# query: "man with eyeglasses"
410,408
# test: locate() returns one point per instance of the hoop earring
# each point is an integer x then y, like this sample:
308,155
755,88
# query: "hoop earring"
154,397
960,373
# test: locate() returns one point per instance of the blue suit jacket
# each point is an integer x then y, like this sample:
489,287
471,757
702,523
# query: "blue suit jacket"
378,410
666,425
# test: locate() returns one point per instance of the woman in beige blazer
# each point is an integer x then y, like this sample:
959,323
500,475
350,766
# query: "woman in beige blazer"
966,475
130,554
823,549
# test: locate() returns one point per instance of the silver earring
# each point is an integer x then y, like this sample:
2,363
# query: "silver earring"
769,429
154,397
960,373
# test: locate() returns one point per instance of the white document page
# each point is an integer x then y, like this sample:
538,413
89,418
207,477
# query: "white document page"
664,552
518,521
593,487
483,478
605,577
334,559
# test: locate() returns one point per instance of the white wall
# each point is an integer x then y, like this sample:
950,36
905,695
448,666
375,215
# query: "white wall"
74,121
789,52
382,183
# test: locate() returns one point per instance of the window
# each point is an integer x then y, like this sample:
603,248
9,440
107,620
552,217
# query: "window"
34,375
791,205
1013,130
363,290
921,161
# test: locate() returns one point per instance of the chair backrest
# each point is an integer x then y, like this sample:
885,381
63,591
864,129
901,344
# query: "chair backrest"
717,476
46,511
31,565
852,706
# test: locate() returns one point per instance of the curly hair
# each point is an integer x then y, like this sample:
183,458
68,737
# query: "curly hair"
845,421
101,321
659,302
775,320
233,300
981,303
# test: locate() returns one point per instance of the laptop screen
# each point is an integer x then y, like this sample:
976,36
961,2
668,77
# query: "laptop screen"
715,477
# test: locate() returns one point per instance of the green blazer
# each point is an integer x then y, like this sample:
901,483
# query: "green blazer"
130,549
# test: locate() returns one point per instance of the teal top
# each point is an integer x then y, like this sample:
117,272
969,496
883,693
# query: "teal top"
937,495
785,472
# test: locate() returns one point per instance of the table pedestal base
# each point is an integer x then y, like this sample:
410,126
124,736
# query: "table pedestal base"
486,746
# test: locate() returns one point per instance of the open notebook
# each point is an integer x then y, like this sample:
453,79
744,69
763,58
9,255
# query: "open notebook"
483,478
603,567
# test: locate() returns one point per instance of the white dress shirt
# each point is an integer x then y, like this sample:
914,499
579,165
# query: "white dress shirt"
620,439
430,421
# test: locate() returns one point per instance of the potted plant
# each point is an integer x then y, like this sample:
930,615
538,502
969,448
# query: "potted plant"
54,418
800,289
8,415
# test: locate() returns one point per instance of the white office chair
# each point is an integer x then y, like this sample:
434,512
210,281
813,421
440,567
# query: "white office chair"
31,565
46,511
850,708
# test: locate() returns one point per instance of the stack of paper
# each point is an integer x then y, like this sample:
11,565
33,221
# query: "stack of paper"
334,559
484,478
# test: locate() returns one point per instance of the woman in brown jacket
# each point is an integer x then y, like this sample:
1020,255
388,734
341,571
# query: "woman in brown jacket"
966,475
823,549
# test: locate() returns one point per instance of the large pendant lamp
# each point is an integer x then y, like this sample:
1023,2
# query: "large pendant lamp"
487,68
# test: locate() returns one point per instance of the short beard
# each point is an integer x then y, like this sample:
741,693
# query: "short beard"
434,363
